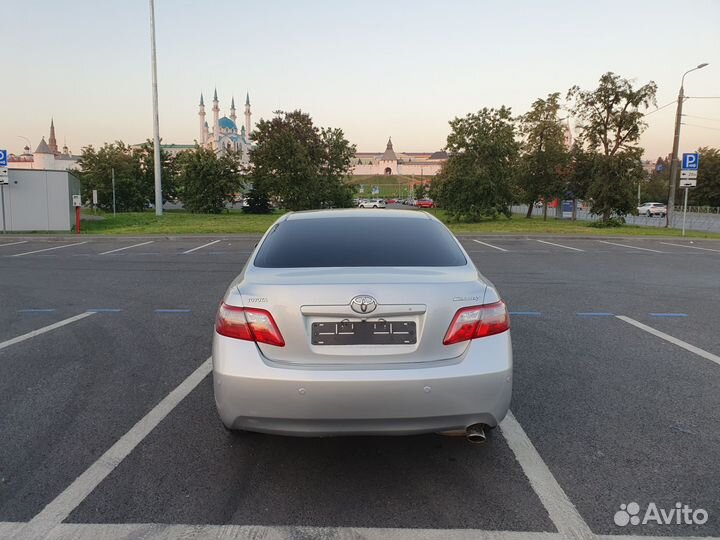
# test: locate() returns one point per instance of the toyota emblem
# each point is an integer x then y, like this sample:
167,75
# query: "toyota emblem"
363,304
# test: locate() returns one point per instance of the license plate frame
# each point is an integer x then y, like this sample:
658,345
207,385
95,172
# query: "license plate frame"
364,333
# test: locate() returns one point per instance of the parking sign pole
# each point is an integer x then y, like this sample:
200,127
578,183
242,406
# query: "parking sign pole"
2,201
685,210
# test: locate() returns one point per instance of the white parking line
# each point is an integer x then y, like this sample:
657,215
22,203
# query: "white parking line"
14,243
126,247
43,330
562,512
61,507
631,247
48,249
200,247
489,245
675,341
560,245
691,247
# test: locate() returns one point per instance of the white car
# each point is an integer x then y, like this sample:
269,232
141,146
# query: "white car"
651,209
373,203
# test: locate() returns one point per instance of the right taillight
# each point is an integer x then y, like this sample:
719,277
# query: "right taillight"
248,324
476,322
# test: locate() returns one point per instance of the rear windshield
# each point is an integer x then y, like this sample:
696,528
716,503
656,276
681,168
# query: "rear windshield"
353,242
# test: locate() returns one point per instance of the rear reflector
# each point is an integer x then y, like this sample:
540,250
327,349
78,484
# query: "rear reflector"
476,322
248,324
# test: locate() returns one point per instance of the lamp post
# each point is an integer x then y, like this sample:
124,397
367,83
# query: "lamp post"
156,120
674,164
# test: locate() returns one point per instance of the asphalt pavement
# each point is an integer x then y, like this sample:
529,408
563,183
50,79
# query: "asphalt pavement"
109,429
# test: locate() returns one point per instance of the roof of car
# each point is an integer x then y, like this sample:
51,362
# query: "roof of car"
357,212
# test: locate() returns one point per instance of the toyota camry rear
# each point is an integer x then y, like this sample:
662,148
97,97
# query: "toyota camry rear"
348,322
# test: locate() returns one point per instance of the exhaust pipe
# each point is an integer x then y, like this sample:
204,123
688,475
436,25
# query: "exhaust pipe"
476,434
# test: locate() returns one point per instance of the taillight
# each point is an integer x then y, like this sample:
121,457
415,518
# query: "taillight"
476,322
248,324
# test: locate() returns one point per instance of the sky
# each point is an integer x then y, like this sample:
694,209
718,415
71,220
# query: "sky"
373,68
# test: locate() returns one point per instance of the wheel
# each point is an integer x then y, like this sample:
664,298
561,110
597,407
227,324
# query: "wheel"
648,214
374,205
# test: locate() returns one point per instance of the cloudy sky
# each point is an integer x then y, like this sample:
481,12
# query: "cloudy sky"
372,68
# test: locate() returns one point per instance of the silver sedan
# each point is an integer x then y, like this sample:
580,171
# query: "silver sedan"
347,322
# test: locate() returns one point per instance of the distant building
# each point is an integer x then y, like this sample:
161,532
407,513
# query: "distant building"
225,134
46,156
390,163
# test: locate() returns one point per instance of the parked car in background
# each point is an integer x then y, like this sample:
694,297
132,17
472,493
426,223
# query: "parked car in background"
373,203
425,203
652,209
391,201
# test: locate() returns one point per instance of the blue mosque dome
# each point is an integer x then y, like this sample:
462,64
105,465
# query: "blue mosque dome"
226,123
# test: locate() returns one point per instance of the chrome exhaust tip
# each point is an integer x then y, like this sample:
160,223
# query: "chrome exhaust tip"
476,434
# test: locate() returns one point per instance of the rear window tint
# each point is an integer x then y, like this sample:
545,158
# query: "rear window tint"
353,242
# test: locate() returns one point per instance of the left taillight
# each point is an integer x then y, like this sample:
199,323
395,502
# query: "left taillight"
248,324
476,322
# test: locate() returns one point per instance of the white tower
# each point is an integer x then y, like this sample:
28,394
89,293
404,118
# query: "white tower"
202,120
248,115
233,115
216,118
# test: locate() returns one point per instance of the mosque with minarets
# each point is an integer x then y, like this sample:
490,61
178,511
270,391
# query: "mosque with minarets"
224,134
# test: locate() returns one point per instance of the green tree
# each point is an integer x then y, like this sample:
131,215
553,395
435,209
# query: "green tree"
658,182
134,175
543,167
144,163
207,182
95,170
611,121
302,165
614,187
582,167
476,181
420,191
707,192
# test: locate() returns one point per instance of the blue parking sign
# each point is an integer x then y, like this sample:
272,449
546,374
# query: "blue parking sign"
690,162
3,158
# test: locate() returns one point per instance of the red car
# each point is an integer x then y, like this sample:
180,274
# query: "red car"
390,201
425,203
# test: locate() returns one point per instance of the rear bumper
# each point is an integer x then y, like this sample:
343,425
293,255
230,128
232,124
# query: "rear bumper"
252,393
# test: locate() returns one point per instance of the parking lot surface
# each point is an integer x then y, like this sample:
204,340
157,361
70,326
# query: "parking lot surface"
109,428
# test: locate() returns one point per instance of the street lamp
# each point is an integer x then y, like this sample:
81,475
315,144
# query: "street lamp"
156,121
674,164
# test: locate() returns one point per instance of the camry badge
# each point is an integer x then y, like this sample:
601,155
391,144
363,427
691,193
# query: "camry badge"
363,304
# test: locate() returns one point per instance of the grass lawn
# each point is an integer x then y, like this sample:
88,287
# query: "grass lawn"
174,222
178,222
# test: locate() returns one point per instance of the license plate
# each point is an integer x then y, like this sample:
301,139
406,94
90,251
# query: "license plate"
364,333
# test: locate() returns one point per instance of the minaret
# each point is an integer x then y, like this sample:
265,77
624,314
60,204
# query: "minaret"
247,115
233,116
52,141
216,118
202,120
